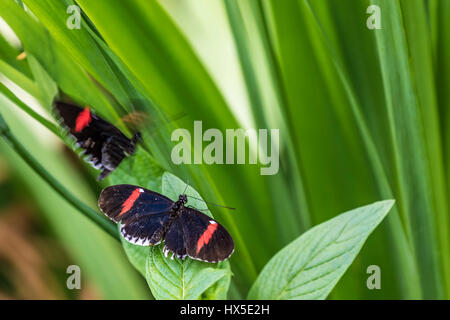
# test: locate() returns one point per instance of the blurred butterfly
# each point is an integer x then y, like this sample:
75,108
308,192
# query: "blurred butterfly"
104,144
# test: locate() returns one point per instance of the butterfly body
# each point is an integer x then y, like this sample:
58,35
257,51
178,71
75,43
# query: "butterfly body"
104,144
146,218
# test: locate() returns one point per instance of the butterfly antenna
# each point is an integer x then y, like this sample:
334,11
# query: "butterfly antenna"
214,204
187,185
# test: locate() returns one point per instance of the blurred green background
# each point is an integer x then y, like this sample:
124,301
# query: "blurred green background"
363,116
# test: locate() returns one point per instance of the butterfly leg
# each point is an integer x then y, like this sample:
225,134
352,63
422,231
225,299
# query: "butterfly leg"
105,172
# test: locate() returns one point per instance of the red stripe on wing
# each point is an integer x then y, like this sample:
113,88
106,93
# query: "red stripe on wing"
83,120
206,236
128,204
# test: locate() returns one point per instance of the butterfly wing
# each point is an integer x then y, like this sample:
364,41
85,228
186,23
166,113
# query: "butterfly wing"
145,231
205,239
143,214
174,240
125,202
105,145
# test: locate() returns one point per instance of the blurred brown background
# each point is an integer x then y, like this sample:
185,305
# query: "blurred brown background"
32,263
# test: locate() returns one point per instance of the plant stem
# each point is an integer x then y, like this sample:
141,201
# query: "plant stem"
107,226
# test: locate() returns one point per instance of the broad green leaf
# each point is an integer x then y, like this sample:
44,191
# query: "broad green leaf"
185,279
310,266
136,254
219,291
181,280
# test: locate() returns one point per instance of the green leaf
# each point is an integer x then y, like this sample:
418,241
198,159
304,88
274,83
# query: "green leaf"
219,291
78,44
20,79
339,82
11,93
410,108
184,279
181,280
421,62
310,266
261,79
374,101
49,89
136,254
69,76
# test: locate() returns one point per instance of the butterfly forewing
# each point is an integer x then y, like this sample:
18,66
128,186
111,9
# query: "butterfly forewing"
69,114
125,202
143,214
205,238
82,123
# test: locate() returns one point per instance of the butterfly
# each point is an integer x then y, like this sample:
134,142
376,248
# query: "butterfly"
104,144
146,218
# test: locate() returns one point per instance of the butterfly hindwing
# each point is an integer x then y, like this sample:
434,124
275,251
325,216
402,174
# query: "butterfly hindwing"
205,238
145,230
174,240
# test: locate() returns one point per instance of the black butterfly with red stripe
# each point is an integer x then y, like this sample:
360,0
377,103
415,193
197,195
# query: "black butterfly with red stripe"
104,144
146,218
